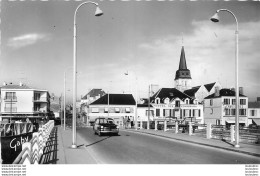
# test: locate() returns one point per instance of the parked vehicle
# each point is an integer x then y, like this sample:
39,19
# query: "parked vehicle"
105,126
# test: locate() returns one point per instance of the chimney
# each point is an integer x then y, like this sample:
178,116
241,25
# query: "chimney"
21,84
216,91
4,84
241,90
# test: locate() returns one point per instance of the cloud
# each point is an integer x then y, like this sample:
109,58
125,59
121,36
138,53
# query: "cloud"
26,40
210,53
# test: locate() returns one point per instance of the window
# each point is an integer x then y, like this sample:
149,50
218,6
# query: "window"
187,101
117,110
233,111
166,101
157,112
94,110
151,113
226,101
227,111
211,102
233,101
242,101
177,103
10,96
157,101
252,112
127,110
242,111
199,113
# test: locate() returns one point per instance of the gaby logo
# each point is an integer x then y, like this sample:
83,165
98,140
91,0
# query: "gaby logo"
15,143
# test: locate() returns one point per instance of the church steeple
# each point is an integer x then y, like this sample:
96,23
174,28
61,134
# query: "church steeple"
182,76
183,71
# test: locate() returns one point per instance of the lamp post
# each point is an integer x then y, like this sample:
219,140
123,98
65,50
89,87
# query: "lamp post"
215,18
64,99
97,13
136,126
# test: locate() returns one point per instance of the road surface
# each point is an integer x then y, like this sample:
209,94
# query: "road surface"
137,148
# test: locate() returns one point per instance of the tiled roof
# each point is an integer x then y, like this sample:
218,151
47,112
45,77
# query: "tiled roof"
224,92
13,86
254,104
94,93
143,105
191,92
115,99
171,93
209,86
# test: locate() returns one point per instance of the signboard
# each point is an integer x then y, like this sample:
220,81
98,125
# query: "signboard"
11,146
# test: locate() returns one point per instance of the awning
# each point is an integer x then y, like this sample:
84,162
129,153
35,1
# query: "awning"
233,121
256,121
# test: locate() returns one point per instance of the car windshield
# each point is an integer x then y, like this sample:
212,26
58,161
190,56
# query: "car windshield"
103,121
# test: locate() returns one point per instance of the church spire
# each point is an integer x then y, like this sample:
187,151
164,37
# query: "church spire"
182,64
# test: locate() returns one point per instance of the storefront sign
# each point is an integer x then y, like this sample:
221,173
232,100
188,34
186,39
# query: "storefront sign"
11,146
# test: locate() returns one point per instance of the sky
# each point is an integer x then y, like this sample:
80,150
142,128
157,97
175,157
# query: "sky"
143,38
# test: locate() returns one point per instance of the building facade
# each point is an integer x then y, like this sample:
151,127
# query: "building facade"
200,92
19,102
119,107
220,107
170,103
254,112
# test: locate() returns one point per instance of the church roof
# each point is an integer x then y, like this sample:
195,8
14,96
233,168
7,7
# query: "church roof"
183,71
182,64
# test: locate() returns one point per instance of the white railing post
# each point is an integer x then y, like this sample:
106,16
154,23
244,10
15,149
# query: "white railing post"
155,125
165,125
141,124
209,130
176,127
232,133
190,128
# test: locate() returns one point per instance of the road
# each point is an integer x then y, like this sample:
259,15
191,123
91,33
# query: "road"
137,148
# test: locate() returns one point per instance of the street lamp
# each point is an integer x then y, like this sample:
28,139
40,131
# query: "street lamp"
215,18
97,13
136,126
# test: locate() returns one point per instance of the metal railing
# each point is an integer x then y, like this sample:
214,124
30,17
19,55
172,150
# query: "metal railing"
249,135
33,150
11,129
10,98
36,99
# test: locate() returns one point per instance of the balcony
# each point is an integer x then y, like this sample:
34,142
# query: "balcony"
39,99
10,98
9,109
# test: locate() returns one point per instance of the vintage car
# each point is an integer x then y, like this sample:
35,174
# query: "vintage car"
104,125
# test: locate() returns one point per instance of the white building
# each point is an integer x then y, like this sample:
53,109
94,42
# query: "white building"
200,92
219,108
170,103
120,107
19,102
254,112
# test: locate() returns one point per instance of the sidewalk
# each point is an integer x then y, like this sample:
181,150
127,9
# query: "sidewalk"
68,155
249,149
